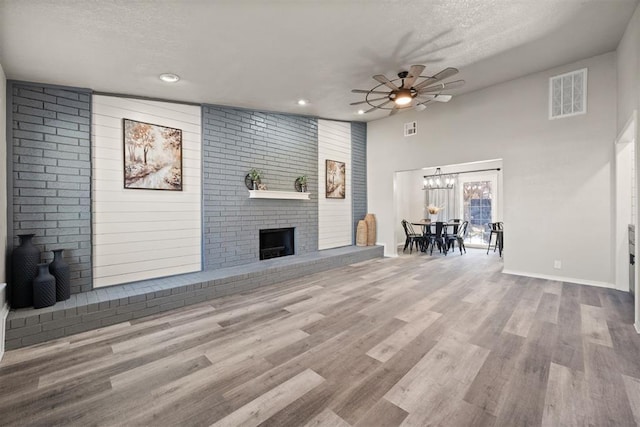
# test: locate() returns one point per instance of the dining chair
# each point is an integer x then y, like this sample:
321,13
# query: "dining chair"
496,228
458,237
438,237
412,238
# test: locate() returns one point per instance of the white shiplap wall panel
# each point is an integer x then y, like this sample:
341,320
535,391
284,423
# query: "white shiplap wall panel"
142,234
334,215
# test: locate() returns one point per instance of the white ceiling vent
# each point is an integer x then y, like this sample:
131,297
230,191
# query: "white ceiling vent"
568,94
410,128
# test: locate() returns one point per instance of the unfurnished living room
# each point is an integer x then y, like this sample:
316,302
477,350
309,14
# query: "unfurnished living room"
319,213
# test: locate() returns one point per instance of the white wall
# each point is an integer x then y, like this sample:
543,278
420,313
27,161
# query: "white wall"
141,234
410,200
557,173
334,215
628,67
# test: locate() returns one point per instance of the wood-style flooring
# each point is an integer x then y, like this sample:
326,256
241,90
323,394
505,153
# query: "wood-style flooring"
416,340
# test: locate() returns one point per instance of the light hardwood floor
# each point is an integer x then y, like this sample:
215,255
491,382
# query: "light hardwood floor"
417,340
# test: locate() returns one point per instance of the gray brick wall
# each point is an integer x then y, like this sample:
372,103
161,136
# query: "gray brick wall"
51,164
359,175
283,147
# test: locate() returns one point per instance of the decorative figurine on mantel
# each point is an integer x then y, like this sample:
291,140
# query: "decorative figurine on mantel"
301,183
254,176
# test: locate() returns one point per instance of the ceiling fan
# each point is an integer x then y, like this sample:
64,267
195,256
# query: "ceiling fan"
410,89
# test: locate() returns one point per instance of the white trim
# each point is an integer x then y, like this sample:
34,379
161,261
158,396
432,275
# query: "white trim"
563,279
637,327
584,94
269,194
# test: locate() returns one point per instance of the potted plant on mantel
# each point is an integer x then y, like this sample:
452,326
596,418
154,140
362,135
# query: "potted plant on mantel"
255,176
302,180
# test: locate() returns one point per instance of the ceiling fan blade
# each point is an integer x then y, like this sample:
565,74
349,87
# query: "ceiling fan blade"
393,110
369,91
370,100
414,73
377,106
435,97
441,86
444,74
385,81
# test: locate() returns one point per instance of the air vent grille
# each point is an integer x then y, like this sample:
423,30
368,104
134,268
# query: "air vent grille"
410,129
568,94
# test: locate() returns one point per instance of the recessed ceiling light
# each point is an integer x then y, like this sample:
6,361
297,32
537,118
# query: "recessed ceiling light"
169,77
302,102
360,111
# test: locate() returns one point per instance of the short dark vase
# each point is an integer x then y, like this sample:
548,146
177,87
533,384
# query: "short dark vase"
44,288
24,268
60,270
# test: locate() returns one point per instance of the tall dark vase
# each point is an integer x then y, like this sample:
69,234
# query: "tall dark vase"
44,287
60,270
24,268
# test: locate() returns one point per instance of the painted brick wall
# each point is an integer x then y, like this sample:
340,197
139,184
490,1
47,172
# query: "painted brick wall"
359,176
52,173
283,147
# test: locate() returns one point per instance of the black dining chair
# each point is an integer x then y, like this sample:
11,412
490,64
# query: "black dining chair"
458,237
438,237
496,229
412,238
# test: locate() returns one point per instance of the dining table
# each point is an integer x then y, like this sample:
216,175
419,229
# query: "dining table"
427,226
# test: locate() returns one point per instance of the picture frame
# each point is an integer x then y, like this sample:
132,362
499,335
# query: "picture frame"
335,178
152,156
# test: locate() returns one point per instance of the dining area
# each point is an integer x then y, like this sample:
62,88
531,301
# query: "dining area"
450,209
427,236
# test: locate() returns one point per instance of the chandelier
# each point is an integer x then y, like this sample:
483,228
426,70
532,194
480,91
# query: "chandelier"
438,181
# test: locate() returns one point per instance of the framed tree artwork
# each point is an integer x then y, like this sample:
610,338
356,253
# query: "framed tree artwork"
335,179
152,156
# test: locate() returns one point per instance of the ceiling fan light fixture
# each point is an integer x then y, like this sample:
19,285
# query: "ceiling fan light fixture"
403,97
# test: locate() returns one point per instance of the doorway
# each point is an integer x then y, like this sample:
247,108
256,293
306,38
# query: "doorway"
626,207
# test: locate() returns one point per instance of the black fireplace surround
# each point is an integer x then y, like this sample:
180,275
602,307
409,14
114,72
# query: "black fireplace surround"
276,242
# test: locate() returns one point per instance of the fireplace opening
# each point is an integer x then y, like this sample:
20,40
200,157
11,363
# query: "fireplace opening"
276,242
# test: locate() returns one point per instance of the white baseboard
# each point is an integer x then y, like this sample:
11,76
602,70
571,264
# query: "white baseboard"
565,279
4,312
635,325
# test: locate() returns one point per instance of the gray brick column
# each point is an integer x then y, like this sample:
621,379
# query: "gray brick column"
51,172
359,176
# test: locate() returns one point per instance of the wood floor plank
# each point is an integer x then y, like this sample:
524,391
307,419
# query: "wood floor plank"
594,325
548,308
386,349
566,399
382,414
632,387
525,312
269,403
568,348
522,400
453,361
606,387
488,386
327,418
414,340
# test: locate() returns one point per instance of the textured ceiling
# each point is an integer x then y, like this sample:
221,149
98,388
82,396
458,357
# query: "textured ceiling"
266,54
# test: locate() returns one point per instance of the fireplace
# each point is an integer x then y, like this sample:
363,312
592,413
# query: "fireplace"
276,242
